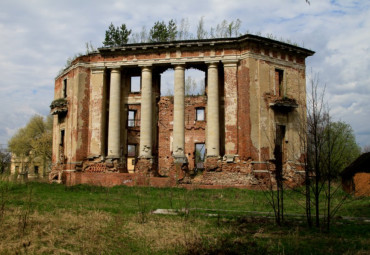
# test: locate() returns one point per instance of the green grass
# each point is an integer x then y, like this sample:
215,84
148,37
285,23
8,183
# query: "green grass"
51,218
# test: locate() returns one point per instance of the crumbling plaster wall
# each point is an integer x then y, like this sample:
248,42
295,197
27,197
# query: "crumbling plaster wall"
263,118
97,112
76,123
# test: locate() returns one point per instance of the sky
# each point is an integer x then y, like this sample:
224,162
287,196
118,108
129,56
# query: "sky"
37,37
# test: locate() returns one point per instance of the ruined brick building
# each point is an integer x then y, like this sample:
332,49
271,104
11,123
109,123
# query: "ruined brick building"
107,132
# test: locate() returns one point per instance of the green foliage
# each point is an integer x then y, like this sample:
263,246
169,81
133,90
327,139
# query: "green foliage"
34,140
161,32
4,160
94,220
116,36
340,144
201,32
58,102
226,29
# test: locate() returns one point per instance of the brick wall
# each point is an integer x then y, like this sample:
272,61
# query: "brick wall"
194,131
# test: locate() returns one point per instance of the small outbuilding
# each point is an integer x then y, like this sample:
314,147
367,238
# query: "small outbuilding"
356,177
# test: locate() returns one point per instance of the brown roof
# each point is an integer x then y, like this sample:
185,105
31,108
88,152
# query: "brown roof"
360,165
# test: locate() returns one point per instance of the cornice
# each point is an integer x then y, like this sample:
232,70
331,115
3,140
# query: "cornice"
206,43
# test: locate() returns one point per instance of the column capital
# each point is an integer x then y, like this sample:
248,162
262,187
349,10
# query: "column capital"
230,62
143,65
98,69
178,64
116,70
212,63
146,68
114,67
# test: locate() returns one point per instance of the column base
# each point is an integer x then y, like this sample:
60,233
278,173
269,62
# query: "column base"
179,170
112,157
180,159
229,158
212,163
146,166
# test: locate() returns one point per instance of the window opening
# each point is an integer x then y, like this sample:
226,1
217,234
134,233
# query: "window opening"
64,88
135,84
279,77
279,144
36,169
131,157
62,134
194,82
131,118
200,153
200,114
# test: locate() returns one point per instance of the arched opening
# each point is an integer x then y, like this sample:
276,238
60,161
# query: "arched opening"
194,82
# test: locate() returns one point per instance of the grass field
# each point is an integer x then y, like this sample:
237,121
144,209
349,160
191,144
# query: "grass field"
41,218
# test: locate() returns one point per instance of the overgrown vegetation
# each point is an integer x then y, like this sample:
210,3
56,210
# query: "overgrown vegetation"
173,30
116,36
33,141
328,147
49,218
4,160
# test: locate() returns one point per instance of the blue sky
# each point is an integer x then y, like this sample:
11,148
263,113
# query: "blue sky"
37,36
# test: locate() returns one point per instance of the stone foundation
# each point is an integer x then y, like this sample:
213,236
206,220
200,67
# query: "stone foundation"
146,166
212,164
220,172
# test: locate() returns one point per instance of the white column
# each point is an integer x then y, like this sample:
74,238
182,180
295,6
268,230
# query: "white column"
114,114
179,114
213,124
146,113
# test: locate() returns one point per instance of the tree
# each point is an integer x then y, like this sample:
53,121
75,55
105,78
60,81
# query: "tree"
317,119
201,32
340,144
89,48
366,148
171,30
190,86
4,160
116,36
329,147
161,32
226,29
183,31
34,140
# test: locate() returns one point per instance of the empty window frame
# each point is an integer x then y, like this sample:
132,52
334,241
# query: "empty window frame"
135,84
200,153
131,150
200,114
279,85
36,169
64,88
131,118
62,135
